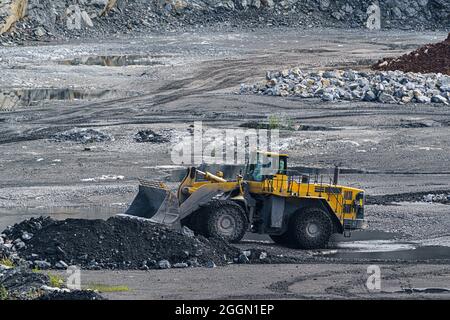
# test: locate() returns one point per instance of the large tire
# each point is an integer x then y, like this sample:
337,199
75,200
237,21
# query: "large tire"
310,228
194,222
225,219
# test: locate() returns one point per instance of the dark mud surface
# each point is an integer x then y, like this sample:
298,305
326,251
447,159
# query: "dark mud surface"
287,281
73,295
409,197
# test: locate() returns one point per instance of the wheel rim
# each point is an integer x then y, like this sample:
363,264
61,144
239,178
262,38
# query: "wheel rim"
226,225
312,229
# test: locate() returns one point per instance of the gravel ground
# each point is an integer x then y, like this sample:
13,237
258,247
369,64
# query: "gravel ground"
312,281
386,149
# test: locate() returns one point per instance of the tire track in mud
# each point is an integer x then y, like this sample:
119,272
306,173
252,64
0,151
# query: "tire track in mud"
211,77
358,278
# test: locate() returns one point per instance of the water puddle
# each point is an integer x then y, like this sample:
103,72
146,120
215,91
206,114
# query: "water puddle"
9,99
117,60
423,290
376,246
390,249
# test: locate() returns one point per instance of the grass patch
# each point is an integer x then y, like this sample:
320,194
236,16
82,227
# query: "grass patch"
282,122
7,262
35,270
3,293
104,288
55,280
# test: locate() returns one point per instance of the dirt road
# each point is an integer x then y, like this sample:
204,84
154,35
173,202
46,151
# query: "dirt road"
304,281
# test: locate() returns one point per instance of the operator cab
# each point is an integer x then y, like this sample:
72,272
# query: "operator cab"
265,165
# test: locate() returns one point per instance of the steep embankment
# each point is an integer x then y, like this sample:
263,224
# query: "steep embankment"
25,20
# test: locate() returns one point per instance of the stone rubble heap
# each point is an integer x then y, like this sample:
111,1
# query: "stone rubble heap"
336,85
437,198
82,135
151,136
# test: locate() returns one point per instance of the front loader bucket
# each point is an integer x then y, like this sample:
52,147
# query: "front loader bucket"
156,202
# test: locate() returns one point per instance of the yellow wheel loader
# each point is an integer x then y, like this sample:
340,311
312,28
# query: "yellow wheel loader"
266,199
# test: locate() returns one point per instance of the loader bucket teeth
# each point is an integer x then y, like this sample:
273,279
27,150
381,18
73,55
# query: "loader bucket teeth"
156,202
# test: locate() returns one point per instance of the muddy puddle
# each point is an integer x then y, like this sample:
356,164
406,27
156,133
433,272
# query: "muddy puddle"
117,60
369,246
423,290
10,99
398,253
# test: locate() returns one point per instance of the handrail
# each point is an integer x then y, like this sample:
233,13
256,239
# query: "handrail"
341,203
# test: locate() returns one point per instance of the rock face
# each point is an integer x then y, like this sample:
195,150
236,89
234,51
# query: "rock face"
11,11
41,19
381,87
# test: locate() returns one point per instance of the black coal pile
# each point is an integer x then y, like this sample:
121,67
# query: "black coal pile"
82,135
72,295
120,242
4,252
21,283
151,136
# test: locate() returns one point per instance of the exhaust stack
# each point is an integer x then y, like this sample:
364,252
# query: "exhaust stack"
336,175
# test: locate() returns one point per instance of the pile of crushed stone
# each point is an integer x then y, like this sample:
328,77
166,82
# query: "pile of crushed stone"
443,198
429,58
81,135
121,242
393,87
151,136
